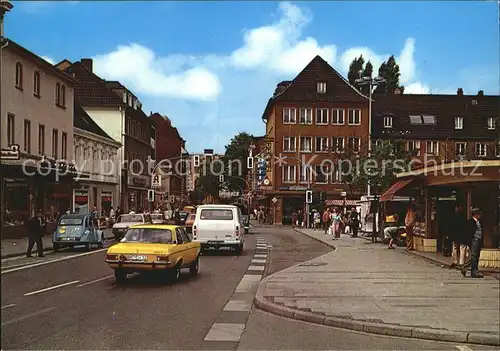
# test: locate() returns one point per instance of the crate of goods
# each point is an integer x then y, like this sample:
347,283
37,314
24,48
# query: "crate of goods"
489,258
429,245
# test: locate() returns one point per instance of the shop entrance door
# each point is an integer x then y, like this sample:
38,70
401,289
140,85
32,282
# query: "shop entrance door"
291,205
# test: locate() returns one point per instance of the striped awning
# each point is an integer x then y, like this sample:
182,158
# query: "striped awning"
341,202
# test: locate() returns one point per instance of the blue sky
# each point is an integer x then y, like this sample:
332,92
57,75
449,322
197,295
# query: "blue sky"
212,66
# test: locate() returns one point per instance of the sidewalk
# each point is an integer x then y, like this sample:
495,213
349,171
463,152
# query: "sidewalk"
366,287
17,247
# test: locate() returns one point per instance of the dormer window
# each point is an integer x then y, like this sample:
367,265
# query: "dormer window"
459,123
130,100
134,104
322,87
124,97
491,123
387,122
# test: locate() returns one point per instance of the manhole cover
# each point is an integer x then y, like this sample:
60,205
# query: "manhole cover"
313,264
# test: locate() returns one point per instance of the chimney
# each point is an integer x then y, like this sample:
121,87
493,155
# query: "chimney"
480,93
88,63
460,92
397,91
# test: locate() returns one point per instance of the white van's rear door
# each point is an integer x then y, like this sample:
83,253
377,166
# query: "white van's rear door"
216,224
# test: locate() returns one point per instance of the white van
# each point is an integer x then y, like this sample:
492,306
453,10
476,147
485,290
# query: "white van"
219,226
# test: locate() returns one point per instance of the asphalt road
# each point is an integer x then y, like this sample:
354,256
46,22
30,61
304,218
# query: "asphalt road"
87,310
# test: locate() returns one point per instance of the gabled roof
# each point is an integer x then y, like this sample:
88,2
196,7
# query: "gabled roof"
82,120
42,62
91,90
474,110
304,87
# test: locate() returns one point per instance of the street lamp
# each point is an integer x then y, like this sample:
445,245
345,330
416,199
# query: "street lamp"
370,82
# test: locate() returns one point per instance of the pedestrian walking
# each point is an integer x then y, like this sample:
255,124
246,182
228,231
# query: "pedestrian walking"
475,239
294,219
326,220
316,220
36,230
354,222
410,219
336,223
458,234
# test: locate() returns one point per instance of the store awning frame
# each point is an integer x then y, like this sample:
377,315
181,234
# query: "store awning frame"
389,194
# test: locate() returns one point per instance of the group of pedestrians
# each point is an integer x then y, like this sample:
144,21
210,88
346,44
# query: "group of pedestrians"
334,222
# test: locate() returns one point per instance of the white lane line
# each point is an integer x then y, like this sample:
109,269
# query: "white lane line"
258,261
95,281
51,288
463,348
7,306
52,261
225,332
31,315
256,268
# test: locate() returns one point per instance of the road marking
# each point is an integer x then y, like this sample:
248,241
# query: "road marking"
248,282
258,261
51,288
260,256
52,261
28,316
225,332
7,306
95,281
238,306
463,348
256,268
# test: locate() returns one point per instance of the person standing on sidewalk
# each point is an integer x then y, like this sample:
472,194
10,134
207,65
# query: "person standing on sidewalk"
36,230
410,219
457,234
336,220
326,220
354,222
317,220
475,237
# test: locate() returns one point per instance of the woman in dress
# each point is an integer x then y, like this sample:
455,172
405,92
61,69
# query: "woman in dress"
336,220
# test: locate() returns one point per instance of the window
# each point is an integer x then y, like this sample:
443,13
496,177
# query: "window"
481,149
387,122
55,136
19,75
124,97
289,144
64,150
429,119
130,100
491,123
36,84
321,144
414,146
414,119
460,148
322,87
497,149
321,116
289,116
320,174
11,121
216,214
459,123
354,117
289,174
305,144
27,136
58,94
63,96
306,116
41,139
354,144
338,144
129,126
337,176
305,174
338,116
432,148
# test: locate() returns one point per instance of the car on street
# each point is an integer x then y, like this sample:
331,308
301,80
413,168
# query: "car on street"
125,221
218,226
160,248
75,230
189,222
158,218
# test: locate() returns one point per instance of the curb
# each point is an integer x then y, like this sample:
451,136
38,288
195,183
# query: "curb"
314,238
373,328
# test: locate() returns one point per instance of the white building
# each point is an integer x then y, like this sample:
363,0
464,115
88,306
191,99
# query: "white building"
96,157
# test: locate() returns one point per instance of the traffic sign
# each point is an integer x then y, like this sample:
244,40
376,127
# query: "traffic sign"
309,196
151,195
275,200
155,180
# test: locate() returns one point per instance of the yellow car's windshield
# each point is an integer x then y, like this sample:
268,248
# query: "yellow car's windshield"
148,235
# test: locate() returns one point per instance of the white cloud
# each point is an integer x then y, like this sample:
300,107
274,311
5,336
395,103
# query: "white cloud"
48,59
279,46
417,88
138,67
36,6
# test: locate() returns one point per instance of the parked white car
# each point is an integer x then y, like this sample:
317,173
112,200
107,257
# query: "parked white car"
125,221
219,226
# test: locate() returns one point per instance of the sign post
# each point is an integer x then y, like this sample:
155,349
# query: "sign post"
275,200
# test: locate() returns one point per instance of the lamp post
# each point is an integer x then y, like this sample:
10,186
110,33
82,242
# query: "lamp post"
370,82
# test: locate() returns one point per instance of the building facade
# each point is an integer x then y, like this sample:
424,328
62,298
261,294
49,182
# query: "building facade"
96,158
312,122
36,115
119,113
170,149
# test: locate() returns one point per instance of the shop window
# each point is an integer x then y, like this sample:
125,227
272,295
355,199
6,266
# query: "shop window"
16,205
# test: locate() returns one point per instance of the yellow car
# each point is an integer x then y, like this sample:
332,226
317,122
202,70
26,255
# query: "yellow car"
154,247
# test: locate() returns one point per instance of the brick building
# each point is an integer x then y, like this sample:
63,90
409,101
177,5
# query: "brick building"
317,117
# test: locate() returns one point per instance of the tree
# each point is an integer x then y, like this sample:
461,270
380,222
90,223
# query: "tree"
389,70
235,161
208,184
354,68
387,159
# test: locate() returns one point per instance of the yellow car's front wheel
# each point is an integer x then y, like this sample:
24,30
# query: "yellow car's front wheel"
195,266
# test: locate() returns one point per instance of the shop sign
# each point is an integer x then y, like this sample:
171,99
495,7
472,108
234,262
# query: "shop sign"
106,197
266,187
139,181
11,153
292,188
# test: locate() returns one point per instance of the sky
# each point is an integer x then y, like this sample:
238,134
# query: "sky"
212,66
